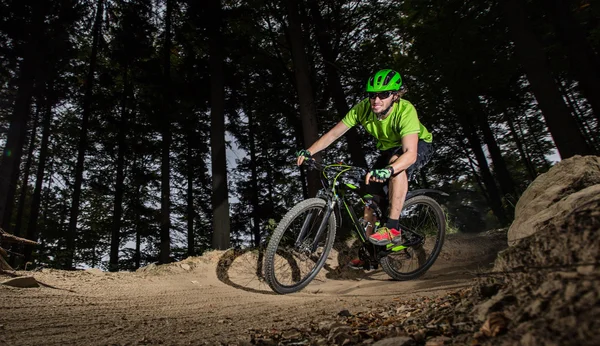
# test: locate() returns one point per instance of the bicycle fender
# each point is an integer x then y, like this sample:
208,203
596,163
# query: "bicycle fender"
419,192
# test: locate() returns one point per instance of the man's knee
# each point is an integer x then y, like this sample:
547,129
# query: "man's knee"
400,178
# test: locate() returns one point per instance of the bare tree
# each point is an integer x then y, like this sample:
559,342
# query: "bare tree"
83,137
567,137
220,193
304,88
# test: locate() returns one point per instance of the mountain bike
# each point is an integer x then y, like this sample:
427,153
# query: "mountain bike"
301,242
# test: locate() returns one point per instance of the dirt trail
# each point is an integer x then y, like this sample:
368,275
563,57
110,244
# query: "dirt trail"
185,303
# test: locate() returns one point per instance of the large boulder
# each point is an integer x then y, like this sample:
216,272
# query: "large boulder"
571,186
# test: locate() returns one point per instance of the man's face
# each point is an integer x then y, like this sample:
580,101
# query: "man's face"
381,101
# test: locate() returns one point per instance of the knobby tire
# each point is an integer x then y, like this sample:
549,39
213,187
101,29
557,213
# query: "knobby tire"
389,265
276,250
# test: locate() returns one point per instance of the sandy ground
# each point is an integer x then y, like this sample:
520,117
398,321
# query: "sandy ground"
186,303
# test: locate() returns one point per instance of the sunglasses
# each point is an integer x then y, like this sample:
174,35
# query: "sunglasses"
382,95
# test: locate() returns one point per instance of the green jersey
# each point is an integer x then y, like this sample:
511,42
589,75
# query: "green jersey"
402,121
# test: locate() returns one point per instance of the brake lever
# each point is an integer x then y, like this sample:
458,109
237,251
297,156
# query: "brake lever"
310,163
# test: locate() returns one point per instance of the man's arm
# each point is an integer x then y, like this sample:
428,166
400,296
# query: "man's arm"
331,136
410,144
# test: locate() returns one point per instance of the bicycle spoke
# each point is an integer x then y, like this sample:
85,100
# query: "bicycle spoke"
293,262
421,217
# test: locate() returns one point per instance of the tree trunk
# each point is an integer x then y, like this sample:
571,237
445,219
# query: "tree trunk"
536,148
190,209
25,180
584,61
519,143
335,85
27,171
83,138
137,206
477,177
567,137
220,193
32,231
254,199
304,89
484,170
165,186
579,115
119,183
507,185
17,131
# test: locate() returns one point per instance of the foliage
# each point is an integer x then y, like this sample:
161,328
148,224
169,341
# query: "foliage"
458,66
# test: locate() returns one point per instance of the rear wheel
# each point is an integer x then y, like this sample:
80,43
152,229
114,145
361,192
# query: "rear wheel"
294,257
421,218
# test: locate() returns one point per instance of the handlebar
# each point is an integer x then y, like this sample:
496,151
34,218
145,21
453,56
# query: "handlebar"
359,172
356,176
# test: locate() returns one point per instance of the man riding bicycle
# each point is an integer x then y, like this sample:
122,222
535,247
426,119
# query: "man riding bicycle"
404,142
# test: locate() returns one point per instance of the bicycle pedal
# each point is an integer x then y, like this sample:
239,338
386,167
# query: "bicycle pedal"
371,266
398,240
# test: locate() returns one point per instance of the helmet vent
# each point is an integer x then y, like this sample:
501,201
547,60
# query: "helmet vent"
389,76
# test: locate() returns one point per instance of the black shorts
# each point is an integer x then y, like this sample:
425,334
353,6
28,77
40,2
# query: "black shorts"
424,154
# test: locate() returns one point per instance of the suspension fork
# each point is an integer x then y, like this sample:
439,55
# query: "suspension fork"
323,225
308,221
305,226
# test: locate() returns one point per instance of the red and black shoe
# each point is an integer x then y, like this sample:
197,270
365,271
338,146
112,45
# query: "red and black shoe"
384,236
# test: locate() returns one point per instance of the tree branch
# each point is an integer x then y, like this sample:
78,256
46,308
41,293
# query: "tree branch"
9,238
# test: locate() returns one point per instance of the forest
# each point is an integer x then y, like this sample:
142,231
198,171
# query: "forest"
142,131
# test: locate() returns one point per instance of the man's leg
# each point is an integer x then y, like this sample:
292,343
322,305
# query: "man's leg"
370,218
398,185
398,188
374,189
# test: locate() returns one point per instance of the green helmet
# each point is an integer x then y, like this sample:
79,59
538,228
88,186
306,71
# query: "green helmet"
384,80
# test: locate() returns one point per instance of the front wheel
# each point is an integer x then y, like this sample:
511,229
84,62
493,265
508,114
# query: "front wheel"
294,256
424,218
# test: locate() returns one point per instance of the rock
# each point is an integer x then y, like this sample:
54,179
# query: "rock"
342,336
487,291
403,308
344,313
439,341
420,335
571,292
494,325
586,269
482,310
95,271
329,325
550,196
396,341
21,282
291,335
528,340
535,307
549,287
587,198
185,266
320,342
340,329
265,342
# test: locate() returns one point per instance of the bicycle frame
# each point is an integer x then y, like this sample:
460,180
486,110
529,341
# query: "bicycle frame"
334,192
292,243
